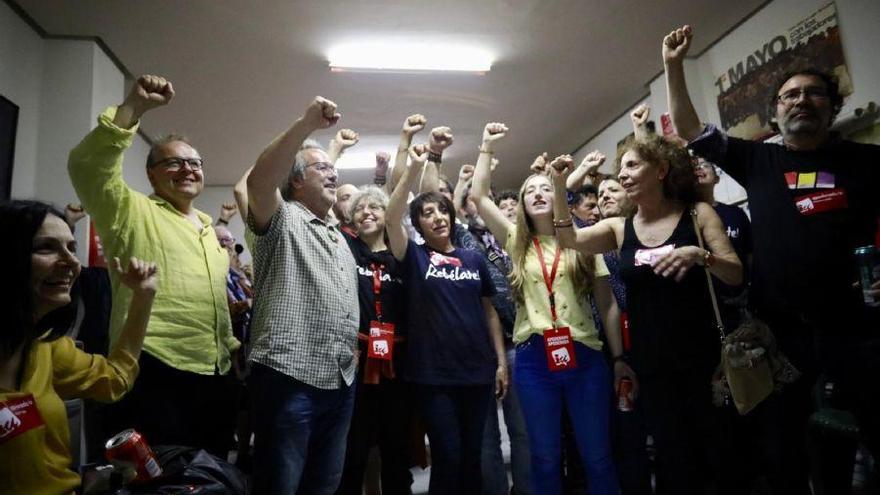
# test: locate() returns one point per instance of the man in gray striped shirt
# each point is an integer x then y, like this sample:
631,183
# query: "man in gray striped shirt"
305,318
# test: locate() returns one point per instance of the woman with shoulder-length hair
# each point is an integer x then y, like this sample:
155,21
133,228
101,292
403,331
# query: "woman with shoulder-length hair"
558,362
675,342
39,368
455,350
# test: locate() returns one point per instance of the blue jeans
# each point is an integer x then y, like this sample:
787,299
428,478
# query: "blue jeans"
586,392
454,418
299,434
494,471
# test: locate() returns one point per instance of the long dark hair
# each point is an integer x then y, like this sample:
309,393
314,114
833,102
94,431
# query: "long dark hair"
19,221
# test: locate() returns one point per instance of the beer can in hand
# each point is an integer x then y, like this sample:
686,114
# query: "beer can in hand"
868,263
129,449
624,395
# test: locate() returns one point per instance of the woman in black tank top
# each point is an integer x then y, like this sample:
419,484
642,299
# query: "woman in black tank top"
675,345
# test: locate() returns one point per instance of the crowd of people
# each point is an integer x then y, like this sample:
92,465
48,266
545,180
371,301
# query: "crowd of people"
579,305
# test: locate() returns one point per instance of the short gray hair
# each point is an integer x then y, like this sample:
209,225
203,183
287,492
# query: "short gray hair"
298,169
366,193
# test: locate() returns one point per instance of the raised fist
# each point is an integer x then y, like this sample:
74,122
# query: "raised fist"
539,166
227,211
413,124
441,138
640,115
494,131
346,138
74,212
418,153
383,157
561,166
140,276
149,92
466,173
321,114
593,161
676,44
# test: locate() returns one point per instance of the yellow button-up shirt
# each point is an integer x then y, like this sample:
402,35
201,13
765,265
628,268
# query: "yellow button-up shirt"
189,327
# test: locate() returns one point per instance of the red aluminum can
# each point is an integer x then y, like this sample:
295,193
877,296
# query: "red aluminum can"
129,449
624,395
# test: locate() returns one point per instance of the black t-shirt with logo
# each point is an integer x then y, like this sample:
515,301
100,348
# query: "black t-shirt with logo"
448,340
810,211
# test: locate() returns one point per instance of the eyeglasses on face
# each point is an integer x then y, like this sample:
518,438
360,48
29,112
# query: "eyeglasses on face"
793,95
323,167
176,163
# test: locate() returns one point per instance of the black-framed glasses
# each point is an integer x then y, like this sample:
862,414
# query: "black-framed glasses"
176,163
793,95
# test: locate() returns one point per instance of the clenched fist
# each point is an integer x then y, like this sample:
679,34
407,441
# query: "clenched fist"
321,114
466,173
640,115
346,138
561,166
441,138
418,153
491,133
539,166
593,161
149,92
413,124
676,44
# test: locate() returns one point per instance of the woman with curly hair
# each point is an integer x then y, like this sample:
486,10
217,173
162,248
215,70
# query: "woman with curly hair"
675,342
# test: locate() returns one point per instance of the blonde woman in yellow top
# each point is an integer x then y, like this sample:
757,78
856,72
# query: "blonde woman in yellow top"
558,350
39,368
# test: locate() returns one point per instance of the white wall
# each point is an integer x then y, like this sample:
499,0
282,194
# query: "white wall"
860,37
21,72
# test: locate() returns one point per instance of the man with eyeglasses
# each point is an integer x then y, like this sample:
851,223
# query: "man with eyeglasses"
813,202
306,314
182,394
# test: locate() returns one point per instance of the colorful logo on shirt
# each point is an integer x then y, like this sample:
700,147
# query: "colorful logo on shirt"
18,416
438,259
810,180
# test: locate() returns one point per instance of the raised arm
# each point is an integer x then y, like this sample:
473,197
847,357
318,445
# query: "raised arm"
273,165
239,191
595,239
143,280
718,256
344,139
498,224
397,238
380,172
639,118
465,177
413,124
95,164
227,211
681,109
587,171
441,138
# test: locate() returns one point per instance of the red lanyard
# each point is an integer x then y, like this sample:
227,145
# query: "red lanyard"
377,288
549,278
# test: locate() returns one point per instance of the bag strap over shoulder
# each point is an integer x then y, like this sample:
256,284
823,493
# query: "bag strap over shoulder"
712,295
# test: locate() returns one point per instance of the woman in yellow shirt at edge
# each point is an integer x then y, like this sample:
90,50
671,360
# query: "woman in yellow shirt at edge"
39,367
558,360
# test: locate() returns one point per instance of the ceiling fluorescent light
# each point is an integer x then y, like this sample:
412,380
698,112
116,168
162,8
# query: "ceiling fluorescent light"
409,57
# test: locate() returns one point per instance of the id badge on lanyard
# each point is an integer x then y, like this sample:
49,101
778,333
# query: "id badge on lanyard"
558,343
380,344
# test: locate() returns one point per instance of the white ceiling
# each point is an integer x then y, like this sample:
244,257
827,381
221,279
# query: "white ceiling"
244,70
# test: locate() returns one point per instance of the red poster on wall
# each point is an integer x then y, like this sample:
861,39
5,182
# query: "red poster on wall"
96,249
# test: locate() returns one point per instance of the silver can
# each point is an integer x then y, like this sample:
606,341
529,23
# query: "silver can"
869,272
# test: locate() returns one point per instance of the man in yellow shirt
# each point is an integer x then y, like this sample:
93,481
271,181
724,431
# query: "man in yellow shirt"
182,395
